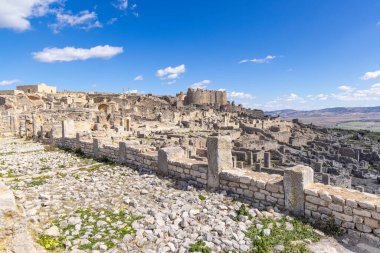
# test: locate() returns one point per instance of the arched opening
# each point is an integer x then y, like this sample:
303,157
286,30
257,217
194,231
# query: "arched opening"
103,108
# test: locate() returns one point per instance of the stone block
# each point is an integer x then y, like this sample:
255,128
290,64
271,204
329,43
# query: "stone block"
342,216
166,154
219,158
362,212
296,179
68,128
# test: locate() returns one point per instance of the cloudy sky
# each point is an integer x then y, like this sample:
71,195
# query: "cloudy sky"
272,54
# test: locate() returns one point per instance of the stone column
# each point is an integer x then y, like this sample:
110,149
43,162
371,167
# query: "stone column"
128,124
326,179
251,158
267,163
296,179
234,161
68,128
96,145
77,142
219,158
318,167
42,132
34,126
166,154
122,151
258,167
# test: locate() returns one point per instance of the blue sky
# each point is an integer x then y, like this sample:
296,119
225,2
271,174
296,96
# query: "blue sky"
272,54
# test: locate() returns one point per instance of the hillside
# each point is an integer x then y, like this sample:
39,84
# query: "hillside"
367,118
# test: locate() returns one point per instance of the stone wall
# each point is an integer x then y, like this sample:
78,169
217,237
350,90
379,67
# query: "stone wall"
261,188
356,212
205,97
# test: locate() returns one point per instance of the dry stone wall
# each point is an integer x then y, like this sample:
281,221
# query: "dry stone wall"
356,212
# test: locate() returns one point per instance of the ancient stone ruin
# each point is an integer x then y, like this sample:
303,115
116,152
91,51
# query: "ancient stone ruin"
205,141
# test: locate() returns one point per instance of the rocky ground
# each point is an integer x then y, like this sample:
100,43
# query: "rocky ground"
76,204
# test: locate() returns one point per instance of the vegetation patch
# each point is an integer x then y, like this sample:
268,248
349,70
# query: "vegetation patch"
50,148
329,227
287,232
201,197
36,181
242,211
199,246
92,168
96,227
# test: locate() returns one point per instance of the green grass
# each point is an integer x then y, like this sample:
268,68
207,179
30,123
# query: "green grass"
38,181
92,168
199,246
51,243
45,167
290,239
242,211
201,197
105,234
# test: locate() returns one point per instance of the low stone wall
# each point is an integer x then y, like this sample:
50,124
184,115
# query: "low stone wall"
186,169
261,188
356,212
295,191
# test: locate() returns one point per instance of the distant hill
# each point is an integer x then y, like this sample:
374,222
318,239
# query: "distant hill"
343,117
287,113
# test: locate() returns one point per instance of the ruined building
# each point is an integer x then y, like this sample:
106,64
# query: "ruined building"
37,88
206,97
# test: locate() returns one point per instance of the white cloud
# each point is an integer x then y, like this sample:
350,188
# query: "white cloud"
200,85
84,20
72,54
293,97
170,72
370,94
134,92
15,14
320,96
291,100
267,59
8,82
240,95
111,21
345,88
172,82
371,75
121,4
139,78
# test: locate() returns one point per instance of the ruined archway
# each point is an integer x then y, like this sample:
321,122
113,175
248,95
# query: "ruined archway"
103,108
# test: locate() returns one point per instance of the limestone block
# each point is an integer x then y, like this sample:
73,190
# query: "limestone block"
336,207
311,207
371,223
362,212
166,154
296,179
68,128
219,158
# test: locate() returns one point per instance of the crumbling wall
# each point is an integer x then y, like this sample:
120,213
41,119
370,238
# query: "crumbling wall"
206,97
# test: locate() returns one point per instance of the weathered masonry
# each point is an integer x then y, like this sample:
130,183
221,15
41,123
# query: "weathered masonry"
356,212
